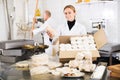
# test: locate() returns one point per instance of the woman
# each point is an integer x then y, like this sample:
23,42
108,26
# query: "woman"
71,27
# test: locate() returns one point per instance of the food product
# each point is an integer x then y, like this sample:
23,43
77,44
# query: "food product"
53,65
22,64
88,55
83,61
74,73
66,70
79,56
73,63
79,43
39,70
56,73
41,59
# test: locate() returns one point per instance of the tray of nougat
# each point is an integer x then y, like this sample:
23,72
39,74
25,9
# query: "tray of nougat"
43,64
78,43
69,46
76,67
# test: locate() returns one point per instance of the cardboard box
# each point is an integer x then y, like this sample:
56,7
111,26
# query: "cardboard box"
65,56
100,38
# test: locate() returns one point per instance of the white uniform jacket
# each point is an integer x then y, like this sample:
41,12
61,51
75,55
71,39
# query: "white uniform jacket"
50,22
77,29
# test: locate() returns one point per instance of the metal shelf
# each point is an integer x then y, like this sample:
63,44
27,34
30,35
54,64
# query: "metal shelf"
94,2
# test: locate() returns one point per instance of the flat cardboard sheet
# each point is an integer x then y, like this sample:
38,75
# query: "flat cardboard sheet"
100,38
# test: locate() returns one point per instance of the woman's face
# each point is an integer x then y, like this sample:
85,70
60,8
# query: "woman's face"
69,14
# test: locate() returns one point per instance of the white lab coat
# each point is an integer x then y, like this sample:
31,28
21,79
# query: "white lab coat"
50,22
42,29
77,29
63,30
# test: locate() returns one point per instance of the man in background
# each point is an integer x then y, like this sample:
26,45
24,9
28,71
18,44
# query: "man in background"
48,22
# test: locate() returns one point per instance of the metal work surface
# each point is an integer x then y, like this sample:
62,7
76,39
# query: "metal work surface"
8,72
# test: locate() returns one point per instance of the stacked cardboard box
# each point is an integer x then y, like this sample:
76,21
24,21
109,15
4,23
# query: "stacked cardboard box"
65,56
115,70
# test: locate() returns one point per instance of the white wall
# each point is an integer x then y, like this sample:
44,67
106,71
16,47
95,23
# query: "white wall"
55,7
31,12
119,21
3,28
31,8
88,11
100,10
118,25
19,16
85,12
24,13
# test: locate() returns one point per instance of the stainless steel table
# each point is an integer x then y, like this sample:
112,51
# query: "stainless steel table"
8,72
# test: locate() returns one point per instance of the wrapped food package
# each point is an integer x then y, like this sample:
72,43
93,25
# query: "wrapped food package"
74,39
90,37
66,70
39,70
88,55
79,56
41,59
62,45
87,68
73,63
22,64
56,73
53,65
79,43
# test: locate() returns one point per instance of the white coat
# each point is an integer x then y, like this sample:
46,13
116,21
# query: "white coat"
63,30
42,29
50,22
77,29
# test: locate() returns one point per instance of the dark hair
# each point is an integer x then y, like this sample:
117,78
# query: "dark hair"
71,7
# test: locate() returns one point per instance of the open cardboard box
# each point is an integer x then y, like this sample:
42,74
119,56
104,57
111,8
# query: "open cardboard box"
65,56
